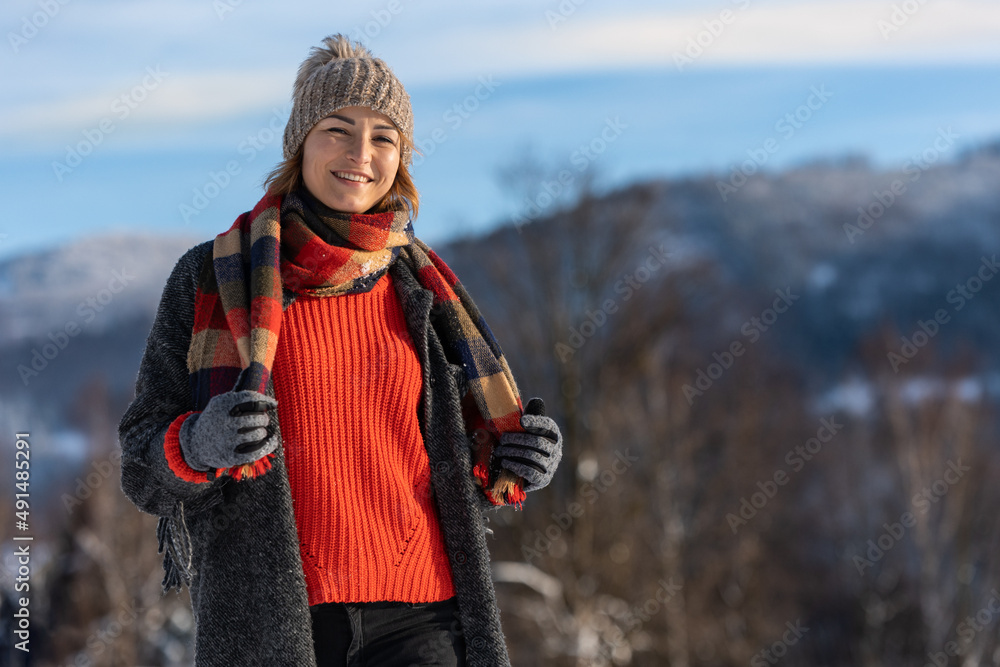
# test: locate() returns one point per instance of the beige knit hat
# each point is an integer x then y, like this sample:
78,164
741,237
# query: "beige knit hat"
344,74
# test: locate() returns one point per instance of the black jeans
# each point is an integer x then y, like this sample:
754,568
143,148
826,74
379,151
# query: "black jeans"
388,634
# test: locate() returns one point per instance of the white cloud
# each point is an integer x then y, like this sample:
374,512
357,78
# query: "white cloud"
214,79
772,33
176,98
868,32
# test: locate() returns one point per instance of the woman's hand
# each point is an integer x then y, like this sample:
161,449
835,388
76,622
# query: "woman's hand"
534,454
233,429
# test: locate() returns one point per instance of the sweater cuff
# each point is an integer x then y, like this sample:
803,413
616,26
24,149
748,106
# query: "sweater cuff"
174,455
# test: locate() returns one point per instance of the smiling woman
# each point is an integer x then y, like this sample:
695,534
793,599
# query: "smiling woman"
322,415
350,159
363,146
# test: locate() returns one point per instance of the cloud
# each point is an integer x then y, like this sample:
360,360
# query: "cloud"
911,31
777,33
177,98
216,80
758,33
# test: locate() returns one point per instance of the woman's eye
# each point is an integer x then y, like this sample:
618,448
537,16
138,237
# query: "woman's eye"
336,129
387,140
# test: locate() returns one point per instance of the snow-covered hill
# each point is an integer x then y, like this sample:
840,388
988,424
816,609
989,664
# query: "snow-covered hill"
96,283
797,229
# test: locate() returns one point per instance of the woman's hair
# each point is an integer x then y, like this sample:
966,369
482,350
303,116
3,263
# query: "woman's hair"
287,177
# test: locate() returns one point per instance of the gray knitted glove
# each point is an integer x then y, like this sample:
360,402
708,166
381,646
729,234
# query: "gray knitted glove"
233,429
534,454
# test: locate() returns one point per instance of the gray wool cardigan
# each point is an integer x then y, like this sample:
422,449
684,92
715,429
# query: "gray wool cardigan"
236,544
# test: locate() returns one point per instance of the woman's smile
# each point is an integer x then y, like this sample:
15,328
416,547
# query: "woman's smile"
352,177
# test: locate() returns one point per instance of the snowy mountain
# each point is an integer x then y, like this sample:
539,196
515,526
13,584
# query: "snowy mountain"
76,312
89,304
97,282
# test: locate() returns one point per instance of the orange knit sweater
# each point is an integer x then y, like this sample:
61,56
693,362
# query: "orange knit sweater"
348,383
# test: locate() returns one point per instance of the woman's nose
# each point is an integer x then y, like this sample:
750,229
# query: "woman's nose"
360,149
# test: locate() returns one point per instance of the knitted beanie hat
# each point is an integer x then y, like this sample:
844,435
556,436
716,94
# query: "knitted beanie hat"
343,74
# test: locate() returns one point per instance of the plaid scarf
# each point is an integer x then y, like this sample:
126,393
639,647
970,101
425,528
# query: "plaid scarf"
238,309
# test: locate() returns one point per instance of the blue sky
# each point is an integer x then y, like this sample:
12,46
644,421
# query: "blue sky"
181,103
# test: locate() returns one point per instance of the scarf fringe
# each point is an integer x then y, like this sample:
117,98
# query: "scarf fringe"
508,486
249,470
505,491
174,542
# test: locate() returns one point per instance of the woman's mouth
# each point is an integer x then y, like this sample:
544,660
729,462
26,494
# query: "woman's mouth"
351,178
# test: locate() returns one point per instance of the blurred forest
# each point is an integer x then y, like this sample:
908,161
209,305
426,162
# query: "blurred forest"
780,433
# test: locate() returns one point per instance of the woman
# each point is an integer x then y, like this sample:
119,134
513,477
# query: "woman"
322,416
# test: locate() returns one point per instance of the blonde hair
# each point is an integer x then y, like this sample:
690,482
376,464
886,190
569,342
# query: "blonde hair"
286,177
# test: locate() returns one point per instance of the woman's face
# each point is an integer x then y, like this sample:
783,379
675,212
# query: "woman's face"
351,143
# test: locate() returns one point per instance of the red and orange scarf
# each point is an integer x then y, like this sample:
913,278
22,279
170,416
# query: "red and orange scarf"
238,310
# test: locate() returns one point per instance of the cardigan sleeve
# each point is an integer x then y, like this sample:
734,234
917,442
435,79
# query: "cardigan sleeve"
154,474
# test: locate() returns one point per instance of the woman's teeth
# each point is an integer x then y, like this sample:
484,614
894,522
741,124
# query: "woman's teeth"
351,177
